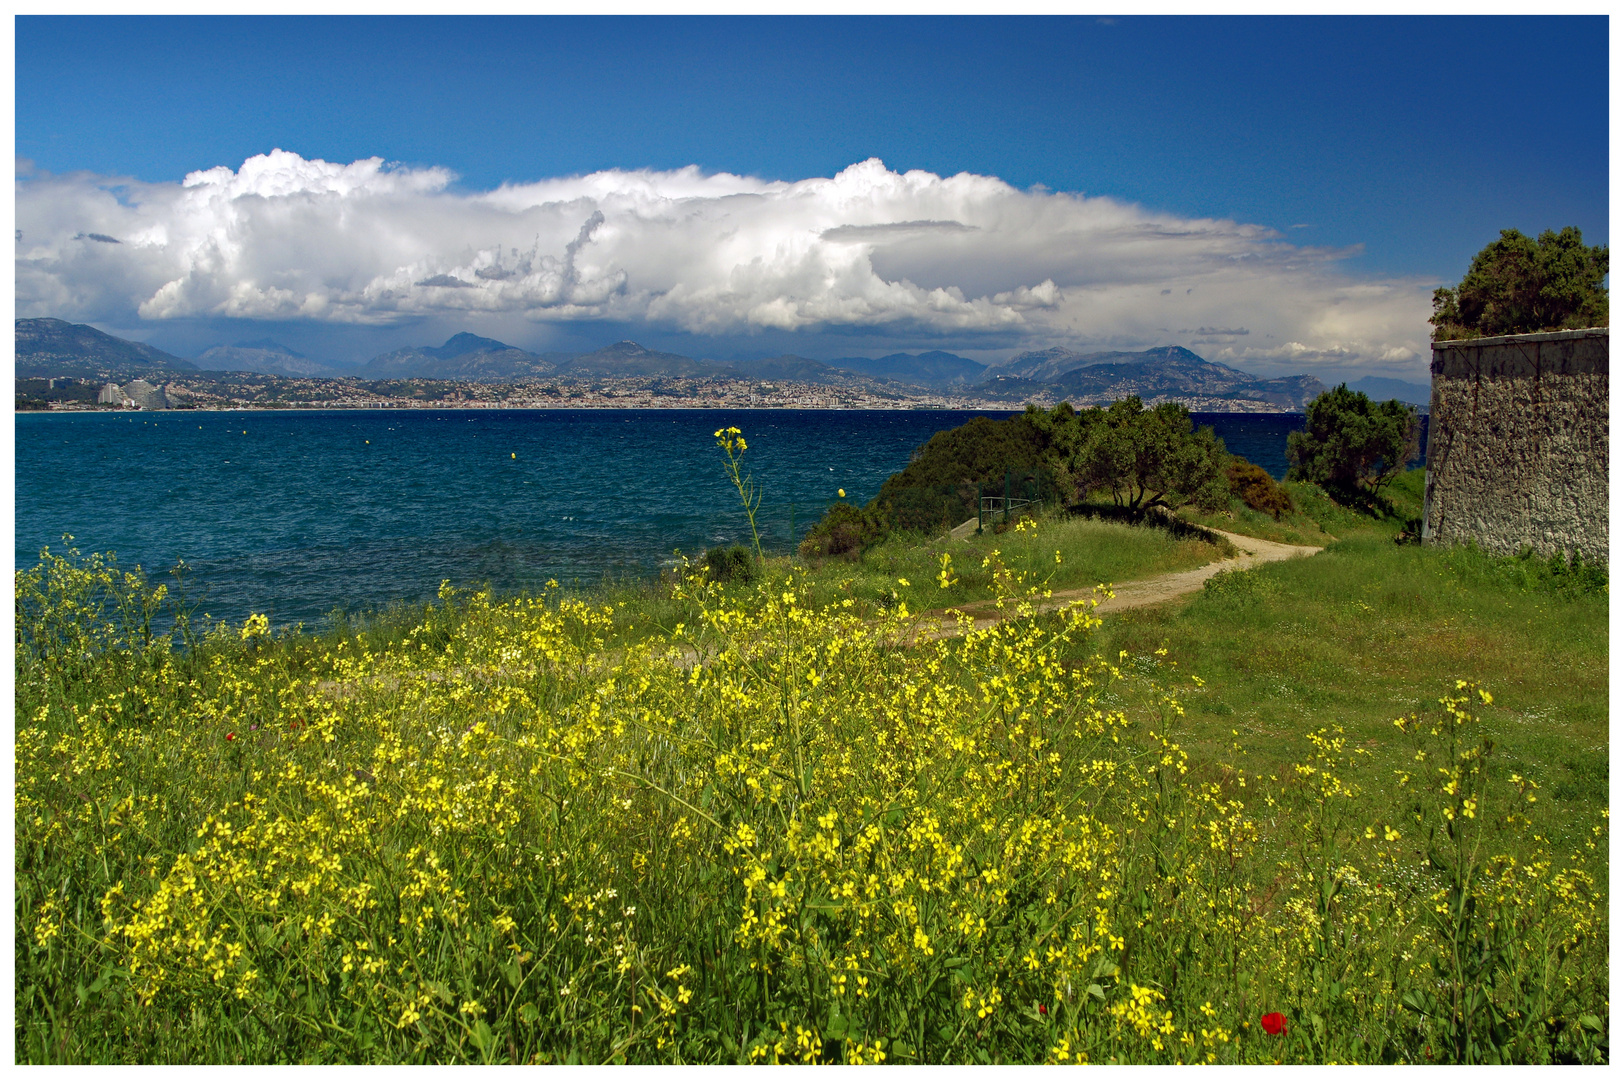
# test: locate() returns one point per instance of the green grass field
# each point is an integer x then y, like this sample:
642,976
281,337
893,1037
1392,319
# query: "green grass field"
532,830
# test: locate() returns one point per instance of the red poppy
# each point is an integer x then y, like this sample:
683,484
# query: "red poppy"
1042,1008
231,736
1274,1023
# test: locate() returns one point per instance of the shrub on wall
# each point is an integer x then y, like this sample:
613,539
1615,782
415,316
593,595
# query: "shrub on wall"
1517,285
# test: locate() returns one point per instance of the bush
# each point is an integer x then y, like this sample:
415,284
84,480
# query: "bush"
977,451
1257,489
939,484
846,530
931,509
730,564
1519,286
1353,446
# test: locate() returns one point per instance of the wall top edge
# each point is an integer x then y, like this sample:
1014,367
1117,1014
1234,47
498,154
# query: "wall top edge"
1506,339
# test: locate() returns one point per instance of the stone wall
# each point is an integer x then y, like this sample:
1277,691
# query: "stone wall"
1517,451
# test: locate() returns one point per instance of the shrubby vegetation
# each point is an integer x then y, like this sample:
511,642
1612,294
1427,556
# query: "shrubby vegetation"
765,833
1256,488
730,564
1352,446
1517,285
845,530
1137,457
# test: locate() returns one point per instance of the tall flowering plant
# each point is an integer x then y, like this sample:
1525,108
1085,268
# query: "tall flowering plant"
730,441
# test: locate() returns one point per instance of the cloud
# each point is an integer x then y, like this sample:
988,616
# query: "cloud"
100,238
965,260
893,230
1220,331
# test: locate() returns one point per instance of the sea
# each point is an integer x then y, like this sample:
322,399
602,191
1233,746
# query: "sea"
298,514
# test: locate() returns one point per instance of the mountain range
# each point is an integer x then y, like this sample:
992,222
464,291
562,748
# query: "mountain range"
51,347
1169,371
267,358
937,370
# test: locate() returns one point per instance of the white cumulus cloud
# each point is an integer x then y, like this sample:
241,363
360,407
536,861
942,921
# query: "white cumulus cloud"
957,259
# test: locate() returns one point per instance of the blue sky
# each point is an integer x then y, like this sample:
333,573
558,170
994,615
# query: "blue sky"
1365,146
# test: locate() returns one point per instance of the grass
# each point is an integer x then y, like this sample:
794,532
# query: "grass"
488,830
1369,630
904,572
1058,552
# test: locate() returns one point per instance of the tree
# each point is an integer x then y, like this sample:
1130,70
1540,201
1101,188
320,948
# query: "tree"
1351,443
938,486
1150,457
1520,286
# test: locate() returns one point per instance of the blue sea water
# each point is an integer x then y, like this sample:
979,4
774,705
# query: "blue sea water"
294,514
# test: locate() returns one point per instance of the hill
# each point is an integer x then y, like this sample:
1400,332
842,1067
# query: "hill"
628,359
266,357
936,369
463,356
51,348
1166,373
1379,389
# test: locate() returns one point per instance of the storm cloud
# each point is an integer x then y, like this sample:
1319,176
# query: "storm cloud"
956,260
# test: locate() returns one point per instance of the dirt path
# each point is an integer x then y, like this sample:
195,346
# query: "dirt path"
943,622
1129,594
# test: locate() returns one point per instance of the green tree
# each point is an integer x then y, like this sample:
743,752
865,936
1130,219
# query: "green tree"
1150,457
1353,445
938,486
1517,285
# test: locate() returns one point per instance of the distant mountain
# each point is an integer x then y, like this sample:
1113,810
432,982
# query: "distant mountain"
48,348
1169,372
937,370
463,356
1051,364
1379,389
628,359
786,368
267,357
792,368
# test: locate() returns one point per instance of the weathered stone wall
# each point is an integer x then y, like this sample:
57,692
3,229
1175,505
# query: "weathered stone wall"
1517,449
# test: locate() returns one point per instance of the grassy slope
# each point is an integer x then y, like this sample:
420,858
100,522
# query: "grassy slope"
1370,630
1091,553
1358,635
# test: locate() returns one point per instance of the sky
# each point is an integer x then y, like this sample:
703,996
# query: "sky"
1279,194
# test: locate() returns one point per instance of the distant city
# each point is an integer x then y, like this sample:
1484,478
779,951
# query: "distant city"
66,366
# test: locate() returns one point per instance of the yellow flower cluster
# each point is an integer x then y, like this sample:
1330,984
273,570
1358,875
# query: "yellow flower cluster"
776,832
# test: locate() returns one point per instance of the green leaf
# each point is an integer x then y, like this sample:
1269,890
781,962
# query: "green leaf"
1417,1001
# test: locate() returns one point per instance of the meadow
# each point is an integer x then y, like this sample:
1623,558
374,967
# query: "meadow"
1348,808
